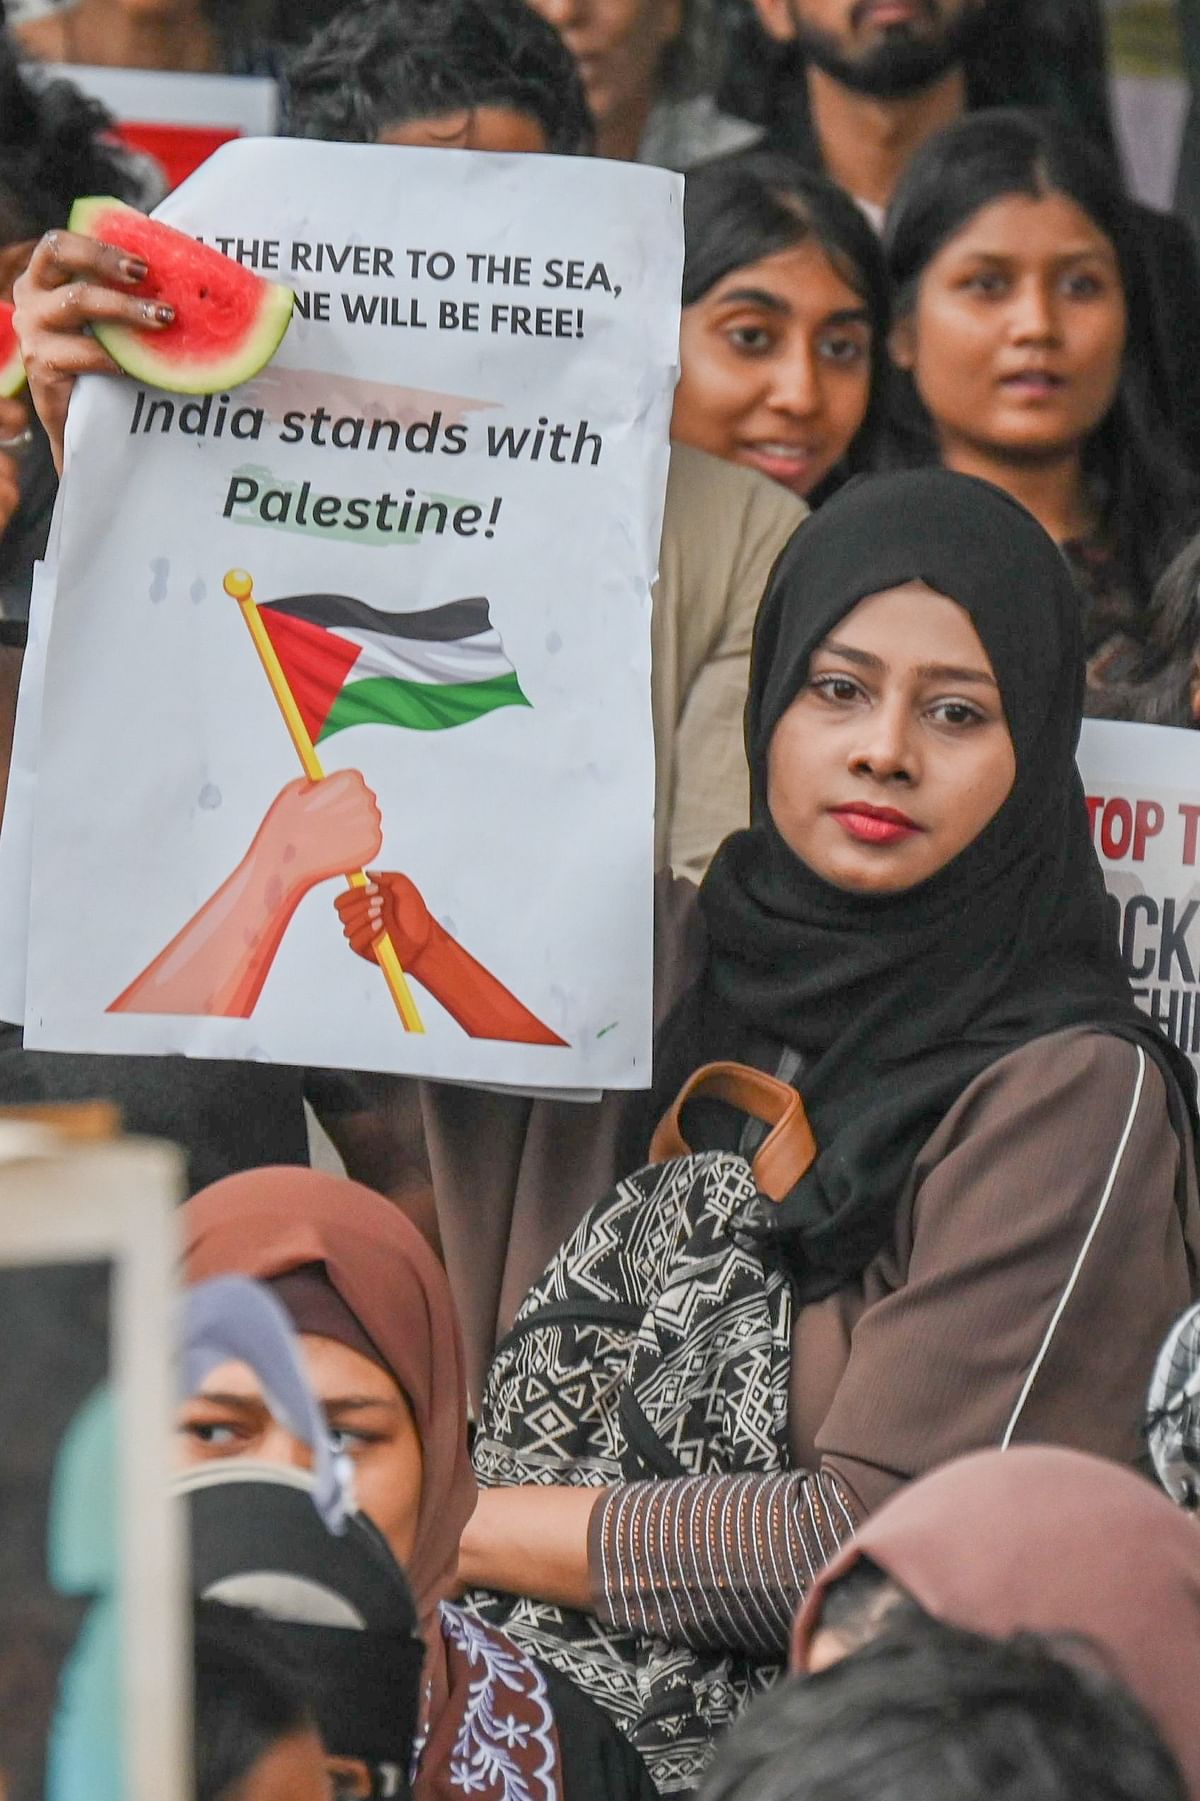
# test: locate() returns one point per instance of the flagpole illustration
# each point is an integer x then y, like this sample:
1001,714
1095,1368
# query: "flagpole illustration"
240,587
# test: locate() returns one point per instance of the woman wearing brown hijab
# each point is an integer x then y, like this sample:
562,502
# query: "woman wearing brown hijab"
1032,1539
383,1351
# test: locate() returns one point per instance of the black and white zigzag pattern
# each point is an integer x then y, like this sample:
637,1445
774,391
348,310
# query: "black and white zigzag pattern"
655,1345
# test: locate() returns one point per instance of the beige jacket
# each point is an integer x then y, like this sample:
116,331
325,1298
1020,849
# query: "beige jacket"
723,529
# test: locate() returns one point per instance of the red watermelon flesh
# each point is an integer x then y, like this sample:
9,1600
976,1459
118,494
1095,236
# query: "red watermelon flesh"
12,369
228,322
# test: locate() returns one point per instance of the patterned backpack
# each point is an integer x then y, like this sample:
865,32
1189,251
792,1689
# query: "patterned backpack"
655,1345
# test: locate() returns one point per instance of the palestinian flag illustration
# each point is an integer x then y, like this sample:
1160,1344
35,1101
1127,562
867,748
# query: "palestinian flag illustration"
350,664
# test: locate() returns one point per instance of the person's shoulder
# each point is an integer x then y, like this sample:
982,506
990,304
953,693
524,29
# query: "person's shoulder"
1066,1116
698,483
723,527
1168,251
1075,1054
685,133
718,514
1162,228
598,1764
1084,1072
1077,1051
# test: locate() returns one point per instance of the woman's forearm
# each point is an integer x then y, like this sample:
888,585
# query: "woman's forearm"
531,1541
716,1562
473,996
712,1562
219,961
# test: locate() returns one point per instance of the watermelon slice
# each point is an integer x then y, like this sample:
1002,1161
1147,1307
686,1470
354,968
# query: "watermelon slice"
228,321
12,369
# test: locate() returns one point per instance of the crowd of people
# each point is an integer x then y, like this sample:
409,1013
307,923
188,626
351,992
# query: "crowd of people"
779,1430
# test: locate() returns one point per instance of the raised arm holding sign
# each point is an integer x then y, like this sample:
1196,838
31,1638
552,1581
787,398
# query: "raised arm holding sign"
448,486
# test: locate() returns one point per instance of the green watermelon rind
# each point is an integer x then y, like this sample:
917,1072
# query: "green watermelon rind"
135,352
12,377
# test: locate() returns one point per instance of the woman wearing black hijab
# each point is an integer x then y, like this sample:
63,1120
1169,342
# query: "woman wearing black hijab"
1002,1213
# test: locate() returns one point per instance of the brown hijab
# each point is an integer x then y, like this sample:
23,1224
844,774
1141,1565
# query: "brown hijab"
267,1223
1037,1539
348,1265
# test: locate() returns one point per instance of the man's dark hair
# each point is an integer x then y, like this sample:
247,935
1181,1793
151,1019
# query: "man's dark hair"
54,146
931,1713
247,1697
382,63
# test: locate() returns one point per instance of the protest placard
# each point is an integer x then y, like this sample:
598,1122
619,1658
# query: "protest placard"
415,554
179,119
1142,784
93,1581
16,829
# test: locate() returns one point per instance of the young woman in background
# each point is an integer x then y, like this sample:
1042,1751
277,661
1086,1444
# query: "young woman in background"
1024,357
785,318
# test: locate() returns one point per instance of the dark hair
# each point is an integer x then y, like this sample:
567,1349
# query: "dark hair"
1050,54
691,64
1148,499
932,1713
384,62
738,209
1036,53
864,1602
247,1696
1151,681
54,145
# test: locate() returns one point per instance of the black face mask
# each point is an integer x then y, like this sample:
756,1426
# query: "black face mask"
339,1609
905,58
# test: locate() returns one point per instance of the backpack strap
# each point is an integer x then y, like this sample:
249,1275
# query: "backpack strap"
788,1150
755,1130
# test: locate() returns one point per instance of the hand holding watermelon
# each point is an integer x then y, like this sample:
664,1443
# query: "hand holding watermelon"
71,283
121,291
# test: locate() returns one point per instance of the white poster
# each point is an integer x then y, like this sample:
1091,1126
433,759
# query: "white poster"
385,611
1143,793
16,832
93,1550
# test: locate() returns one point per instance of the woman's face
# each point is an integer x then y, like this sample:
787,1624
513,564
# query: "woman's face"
896,753
1017,336
776,368
617,46
368,1416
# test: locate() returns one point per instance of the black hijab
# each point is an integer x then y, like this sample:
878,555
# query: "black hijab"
896,1002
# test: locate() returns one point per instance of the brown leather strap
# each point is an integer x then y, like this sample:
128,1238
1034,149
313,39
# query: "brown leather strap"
788,1150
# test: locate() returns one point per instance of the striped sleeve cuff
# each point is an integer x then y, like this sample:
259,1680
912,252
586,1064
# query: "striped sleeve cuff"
715,1562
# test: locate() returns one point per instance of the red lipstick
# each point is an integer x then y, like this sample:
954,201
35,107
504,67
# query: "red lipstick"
875,825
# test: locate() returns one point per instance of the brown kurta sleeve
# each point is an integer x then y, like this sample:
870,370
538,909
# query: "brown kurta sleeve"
1039,1258
715,1561
1046,1259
